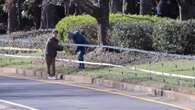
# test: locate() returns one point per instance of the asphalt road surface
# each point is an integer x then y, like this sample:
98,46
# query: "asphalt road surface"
44,96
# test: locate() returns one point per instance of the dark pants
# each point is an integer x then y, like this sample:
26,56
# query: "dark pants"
50,61
81,58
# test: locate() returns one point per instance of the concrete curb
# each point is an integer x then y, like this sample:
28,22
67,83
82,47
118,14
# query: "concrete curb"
78,79
156,92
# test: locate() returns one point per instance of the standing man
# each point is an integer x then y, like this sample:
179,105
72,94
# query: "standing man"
51,49
78,38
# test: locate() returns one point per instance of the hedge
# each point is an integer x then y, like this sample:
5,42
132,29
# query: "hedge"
88,23
134,31
132,35
174,36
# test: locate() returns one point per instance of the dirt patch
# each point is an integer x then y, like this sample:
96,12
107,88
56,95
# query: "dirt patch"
123,57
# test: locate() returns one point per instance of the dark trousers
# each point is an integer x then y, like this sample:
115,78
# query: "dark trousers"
81,58
50,61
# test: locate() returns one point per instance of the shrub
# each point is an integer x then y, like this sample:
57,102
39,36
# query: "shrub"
73,23
88,24
143,32
133,35
124,18
174,36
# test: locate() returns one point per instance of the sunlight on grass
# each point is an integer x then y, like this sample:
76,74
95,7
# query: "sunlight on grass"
183,67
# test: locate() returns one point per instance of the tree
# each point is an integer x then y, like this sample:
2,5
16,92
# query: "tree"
3,15
51,13
168,8
35,11
116,6
19,15
66,7
10,8
146,7
130,6
100,12
186,9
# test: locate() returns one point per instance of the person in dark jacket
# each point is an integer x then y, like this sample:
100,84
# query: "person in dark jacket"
78,38
51,49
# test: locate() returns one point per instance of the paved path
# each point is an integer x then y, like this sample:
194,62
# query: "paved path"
44,96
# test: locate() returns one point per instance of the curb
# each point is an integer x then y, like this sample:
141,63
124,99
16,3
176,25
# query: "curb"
155,92
77,79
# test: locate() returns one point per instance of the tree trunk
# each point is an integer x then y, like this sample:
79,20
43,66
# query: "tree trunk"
67,7
183,12
12,17
19,18
103,22
116,6
129,7
146,7
101,13
186,9
47,16
50,16
36,13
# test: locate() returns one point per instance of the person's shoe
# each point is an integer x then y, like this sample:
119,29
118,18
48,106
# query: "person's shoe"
51,77
81,68
59,77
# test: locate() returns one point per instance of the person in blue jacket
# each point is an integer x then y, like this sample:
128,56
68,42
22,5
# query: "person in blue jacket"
79,38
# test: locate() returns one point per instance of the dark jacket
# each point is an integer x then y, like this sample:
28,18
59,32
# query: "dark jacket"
52,47
78,38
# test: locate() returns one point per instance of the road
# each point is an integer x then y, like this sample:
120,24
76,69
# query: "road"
45,96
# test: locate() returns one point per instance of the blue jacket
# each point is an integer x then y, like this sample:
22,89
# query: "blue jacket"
78,38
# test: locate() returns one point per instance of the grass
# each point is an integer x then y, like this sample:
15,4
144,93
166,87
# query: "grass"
184,67
128,75
19,49
135,77
19,63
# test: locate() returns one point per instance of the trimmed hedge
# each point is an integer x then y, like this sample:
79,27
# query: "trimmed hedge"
132,35
143,32
174,36
88,24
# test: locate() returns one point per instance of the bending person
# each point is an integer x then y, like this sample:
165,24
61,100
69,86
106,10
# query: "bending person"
78,38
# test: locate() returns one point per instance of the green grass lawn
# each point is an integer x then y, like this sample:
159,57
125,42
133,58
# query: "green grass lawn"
183,67
126,75
19,63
